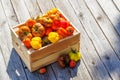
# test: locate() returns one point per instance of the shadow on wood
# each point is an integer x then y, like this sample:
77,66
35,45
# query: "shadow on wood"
17,70
111,61
118,26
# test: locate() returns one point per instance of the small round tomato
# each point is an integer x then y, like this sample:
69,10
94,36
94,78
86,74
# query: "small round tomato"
70,30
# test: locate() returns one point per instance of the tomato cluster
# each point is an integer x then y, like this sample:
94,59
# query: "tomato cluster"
52,22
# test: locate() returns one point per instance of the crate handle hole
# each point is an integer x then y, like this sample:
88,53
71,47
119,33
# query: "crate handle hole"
17,44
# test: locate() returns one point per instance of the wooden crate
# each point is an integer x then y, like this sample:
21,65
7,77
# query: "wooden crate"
34,59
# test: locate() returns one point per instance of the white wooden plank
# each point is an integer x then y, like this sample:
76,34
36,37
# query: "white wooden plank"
3,74
112,12
105,25
111,62
117,4
20,10
15,68
4,35
80,72
45,5
33,7
9,12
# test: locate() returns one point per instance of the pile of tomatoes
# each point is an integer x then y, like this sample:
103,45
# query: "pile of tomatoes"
51,22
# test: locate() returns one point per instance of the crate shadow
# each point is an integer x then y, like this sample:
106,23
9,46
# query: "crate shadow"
17,70
15,67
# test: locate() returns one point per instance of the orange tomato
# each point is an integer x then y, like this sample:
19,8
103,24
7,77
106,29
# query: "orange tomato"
62,32
70,30
30,22
26,42
23,32
38,30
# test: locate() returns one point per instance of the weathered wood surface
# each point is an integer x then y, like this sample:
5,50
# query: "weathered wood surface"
98,22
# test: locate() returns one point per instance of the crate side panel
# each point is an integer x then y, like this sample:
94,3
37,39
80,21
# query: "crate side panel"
53,57
19,45
54,48
20,53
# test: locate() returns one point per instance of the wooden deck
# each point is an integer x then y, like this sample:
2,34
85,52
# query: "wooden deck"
98,22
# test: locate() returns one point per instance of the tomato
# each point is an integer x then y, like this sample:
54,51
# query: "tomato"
70,30
46,21
38,30
61,31
30,22
48,30
63,23
26,42
23,32
56,24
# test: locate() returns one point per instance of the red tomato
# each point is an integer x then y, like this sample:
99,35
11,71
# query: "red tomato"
64,24
61,31
70,30
48,30
56,24
42,70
